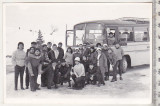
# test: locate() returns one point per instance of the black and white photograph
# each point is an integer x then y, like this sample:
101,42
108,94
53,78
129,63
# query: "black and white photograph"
95,53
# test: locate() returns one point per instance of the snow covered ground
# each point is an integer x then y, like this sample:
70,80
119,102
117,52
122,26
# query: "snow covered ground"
135,84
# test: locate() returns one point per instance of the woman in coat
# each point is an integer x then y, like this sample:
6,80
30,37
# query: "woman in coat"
69,56
18,60
101,62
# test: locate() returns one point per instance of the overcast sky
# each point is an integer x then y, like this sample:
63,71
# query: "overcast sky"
43,16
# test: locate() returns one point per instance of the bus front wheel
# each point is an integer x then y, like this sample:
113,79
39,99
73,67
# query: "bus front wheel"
124,64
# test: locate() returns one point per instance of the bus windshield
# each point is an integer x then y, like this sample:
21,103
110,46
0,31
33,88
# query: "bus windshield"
91,33
94,33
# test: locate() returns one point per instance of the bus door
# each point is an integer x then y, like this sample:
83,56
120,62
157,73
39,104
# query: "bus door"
69,37
79,34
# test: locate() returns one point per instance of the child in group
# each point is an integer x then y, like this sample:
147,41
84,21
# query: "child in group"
76,54
64,73
85,63
69,56
91,74
113,61
78,75
33,64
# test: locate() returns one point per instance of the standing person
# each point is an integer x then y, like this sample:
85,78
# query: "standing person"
18,60
54,54
101,63
49,45
92,53
79,74
55,59
119,54
113,61
46,63
85,63
69,56
80,49
33,63
98,45
29,51
86,51
105,51
111,39
61,51
76,54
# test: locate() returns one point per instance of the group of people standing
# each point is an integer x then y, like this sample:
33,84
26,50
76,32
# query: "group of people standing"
77,66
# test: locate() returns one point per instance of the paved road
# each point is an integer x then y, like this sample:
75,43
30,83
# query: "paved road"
135,84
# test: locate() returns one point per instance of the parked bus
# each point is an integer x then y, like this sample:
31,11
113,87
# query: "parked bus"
131,33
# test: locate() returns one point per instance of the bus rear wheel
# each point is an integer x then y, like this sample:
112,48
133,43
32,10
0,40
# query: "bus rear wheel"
124,64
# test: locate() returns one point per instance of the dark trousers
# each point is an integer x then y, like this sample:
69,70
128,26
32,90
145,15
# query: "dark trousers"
27,77
120,67
47,76
100,75
44,76
117,65
108,73
65,78
33,79
33,82
79,81
19,70
88,78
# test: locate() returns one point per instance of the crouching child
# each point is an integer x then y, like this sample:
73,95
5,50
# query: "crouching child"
91,74
78,75
64,73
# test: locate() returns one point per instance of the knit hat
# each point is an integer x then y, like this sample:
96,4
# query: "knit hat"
99,49
77,59
105,45
76,48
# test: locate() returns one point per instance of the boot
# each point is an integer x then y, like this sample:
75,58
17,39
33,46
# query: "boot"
121,78
113,80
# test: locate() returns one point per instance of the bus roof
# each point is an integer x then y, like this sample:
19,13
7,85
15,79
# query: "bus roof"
112,22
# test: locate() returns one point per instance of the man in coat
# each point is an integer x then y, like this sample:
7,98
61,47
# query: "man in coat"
55,58
113,61
119,54
101,62
105,51
61,51
33,44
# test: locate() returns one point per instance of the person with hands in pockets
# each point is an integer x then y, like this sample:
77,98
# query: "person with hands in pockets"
78,75
18,60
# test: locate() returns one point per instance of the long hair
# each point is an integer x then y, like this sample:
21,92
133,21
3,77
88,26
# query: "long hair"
69,48
33,48
20,43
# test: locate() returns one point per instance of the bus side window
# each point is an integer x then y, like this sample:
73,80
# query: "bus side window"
141,34
126,34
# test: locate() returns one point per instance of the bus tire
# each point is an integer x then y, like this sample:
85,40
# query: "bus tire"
124,64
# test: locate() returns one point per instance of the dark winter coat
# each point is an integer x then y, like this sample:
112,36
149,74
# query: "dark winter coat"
61,53
112,58
102,62
86,65
52,57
